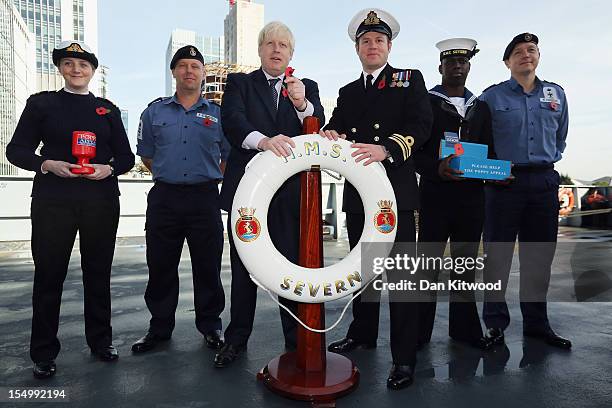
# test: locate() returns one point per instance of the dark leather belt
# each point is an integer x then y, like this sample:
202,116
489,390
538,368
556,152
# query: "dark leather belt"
531,168
195,186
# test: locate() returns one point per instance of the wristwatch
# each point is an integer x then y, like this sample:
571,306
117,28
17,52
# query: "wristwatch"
112,170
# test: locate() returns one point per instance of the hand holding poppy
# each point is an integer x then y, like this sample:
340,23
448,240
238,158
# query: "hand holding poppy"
296,91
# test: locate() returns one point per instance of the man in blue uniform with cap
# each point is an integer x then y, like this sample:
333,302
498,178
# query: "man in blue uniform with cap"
181,141
530,123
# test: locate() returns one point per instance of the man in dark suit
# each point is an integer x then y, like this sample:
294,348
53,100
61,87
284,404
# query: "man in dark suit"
386,112
262,111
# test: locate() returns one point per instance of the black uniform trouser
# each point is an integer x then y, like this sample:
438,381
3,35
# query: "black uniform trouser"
284,227
404,314
176,213
54,227
462,222
527,208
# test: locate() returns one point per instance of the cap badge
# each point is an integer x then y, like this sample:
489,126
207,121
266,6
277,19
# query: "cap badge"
192,52
528,37
74,47
371,19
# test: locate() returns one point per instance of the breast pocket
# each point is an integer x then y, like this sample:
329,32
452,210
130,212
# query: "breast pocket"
164,131
549,117
507,120
209,136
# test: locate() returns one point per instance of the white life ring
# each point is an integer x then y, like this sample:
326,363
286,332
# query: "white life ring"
264,174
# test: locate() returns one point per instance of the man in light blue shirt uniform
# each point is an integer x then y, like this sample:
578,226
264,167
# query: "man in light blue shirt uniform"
185,144
180,139
530,123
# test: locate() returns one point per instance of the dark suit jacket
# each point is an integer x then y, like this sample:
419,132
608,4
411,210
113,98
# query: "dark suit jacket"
379,117
246,107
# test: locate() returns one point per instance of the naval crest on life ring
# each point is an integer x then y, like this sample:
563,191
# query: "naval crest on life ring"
247,226
385,219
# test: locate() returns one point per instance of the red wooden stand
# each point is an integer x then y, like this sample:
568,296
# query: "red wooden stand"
311,373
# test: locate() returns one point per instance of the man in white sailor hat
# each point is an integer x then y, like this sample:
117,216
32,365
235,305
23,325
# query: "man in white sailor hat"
386,113
458,116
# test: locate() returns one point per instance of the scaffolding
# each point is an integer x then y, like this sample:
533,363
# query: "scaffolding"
216,77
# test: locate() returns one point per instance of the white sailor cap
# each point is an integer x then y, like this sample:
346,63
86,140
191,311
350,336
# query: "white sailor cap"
373,19
457,47
73,49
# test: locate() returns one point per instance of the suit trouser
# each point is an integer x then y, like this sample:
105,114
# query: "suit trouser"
284,231
527,208
462,222
54,227
176,213
404,314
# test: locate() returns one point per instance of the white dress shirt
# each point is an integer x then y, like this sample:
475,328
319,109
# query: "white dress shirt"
252,140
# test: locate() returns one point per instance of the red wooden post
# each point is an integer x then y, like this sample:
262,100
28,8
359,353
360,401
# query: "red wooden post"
311,345
311,373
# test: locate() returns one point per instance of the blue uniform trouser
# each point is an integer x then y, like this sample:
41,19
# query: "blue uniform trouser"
528,209
176,213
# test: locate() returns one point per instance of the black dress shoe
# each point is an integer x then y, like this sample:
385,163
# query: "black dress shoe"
148,342
44,369
108,353
228,354
483,343
551,338
347,344
401,376
213,339
495,336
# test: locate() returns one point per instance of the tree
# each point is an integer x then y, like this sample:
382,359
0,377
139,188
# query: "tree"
566,179
140,168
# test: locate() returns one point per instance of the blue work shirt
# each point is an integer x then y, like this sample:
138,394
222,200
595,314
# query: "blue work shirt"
528,128
186,145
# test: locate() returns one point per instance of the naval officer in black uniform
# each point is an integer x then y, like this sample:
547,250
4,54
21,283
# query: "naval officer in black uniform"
451,206
386,112
64,203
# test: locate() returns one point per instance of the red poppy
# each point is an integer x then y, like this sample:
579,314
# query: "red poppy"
554,105
102,110
284,91
381,84
289,71
207,122
459,149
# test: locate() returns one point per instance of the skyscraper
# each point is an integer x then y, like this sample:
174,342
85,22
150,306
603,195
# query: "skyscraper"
103,73
241,27
17,76
210,47
53,21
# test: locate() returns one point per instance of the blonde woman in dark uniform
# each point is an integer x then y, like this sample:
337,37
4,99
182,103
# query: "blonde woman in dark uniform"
64,201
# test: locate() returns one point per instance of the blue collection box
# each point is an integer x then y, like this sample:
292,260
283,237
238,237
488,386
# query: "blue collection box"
474,163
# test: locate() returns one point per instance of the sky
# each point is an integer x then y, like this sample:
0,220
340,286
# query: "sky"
575,45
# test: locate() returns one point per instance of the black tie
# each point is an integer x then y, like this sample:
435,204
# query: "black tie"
272,83
369,84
